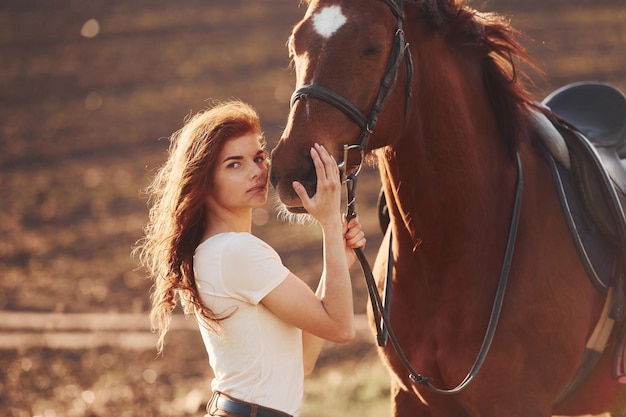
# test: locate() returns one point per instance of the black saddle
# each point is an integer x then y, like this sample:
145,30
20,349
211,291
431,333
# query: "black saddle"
591,118
598,110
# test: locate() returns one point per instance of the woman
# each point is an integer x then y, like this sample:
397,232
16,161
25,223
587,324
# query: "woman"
262,326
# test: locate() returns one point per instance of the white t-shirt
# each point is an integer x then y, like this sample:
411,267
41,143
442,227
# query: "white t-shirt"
255,357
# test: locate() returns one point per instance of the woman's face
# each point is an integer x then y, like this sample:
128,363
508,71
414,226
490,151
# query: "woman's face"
240,175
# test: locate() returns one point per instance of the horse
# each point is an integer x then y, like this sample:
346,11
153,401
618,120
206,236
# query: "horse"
436,92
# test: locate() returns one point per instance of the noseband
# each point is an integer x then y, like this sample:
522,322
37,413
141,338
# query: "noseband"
368,123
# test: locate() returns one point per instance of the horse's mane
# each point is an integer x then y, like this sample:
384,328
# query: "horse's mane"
503,76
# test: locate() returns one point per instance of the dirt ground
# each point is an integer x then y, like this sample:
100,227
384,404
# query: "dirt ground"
89,94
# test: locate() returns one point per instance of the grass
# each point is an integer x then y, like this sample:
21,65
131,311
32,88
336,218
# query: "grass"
352,389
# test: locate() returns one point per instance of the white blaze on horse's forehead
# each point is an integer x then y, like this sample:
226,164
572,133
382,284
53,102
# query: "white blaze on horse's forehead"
328,20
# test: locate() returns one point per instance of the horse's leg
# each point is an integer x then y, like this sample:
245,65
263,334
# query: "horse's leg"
405,404
409,403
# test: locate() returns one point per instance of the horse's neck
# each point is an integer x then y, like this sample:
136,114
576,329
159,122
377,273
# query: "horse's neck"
450,169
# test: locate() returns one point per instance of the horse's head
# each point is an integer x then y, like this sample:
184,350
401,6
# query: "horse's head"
346,55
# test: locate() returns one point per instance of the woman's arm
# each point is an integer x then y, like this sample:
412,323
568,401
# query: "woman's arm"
312,345
294,302
328,313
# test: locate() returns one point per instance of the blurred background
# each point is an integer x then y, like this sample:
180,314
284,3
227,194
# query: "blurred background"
90,91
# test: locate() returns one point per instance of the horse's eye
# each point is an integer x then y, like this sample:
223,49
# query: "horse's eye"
372,51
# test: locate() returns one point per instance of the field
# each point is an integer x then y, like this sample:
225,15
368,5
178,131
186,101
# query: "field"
89,94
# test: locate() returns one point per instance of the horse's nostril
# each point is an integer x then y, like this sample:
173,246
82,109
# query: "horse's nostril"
309,180
310,187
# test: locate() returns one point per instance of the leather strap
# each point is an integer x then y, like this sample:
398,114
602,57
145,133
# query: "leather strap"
381,314
222,402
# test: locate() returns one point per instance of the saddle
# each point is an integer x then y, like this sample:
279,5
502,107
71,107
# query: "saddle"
583,132
590,119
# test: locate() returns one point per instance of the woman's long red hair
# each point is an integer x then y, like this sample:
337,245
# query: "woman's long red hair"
178,211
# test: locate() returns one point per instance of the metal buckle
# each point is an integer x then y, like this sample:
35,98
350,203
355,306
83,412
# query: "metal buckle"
342,165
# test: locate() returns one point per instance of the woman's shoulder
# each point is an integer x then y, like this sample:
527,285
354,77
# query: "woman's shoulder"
233,240
249,242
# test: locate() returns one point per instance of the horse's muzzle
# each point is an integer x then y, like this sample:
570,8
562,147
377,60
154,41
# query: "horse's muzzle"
288,196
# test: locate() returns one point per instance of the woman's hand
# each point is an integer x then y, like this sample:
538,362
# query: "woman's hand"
326,202
354,237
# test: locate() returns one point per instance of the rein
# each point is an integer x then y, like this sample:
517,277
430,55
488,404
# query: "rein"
381,314
367,124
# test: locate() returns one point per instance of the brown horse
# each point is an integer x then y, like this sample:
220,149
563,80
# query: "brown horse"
449,125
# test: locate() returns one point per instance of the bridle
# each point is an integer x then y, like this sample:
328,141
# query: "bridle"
367,124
